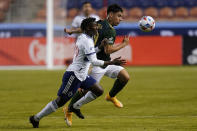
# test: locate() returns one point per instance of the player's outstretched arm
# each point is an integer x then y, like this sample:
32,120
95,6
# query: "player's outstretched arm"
72,30
116,61
109,49
95,62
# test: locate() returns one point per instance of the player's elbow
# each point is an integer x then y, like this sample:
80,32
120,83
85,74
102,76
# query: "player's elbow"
108,51
96,63
93,63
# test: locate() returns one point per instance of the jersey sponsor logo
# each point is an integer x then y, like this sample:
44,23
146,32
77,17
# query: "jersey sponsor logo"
110,40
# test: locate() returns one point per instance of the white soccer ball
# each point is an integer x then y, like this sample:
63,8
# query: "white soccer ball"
147,23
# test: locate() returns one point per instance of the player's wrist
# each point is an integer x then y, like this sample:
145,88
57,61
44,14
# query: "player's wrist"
106,63
124,44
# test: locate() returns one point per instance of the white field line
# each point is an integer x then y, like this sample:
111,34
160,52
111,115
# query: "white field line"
122,116
30,68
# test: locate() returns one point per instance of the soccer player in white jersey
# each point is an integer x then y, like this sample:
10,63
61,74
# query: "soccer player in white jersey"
77,72
87,11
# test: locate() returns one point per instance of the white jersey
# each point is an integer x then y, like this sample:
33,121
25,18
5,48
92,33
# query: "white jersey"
78,20
84,55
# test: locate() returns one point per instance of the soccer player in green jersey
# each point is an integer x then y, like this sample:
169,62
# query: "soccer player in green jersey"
105,32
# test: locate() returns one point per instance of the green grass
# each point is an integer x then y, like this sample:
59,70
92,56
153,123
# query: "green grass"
156,99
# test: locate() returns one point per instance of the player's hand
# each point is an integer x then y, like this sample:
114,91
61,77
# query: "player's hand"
118,61
126,40
68,31
103,43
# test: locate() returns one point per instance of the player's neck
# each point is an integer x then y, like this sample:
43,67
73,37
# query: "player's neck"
86,15
110,22
88,34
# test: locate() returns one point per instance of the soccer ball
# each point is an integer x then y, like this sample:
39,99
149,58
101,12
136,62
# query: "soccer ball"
147,23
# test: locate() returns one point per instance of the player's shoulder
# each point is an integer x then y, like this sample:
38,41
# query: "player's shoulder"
95,16
85,41
78,17
104,26
85,38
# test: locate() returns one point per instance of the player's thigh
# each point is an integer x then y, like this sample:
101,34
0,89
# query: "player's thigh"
113,71
91,84
97,73
88,83
69,86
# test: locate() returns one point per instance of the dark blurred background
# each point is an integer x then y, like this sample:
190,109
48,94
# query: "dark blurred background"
161,10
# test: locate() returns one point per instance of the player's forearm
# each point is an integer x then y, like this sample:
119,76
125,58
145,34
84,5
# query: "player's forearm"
95,62
114,48
76,30
72,30
106,63
102,63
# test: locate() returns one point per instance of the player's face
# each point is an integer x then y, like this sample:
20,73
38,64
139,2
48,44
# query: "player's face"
93,28
117,18
87,9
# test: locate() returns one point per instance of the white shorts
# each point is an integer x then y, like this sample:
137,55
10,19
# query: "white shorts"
111,71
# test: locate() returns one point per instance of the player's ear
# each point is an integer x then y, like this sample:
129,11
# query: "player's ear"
110,14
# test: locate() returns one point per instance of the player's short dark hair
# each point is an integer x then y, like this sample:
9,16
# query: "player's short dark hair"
114,9
86,2
86,23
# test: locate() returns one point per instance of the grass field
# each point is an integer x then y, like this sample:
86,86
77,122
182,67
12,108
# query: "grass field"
156,99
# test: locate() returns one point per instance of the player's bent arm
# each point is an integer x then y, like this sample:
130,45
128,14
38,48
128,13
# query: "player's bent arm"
109,49
94,61
76,30
102,45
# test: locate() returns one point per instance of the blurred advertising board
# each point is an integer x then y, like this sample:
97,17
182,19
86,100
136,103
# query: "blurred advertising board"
149,50
152,50
32,51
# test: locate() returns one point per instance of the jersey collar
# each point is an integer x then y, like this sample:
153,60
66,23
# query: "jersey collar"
109,24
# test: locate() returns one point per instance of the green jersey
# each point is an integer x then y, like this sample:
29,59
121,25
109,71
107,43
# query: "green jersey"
105,31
